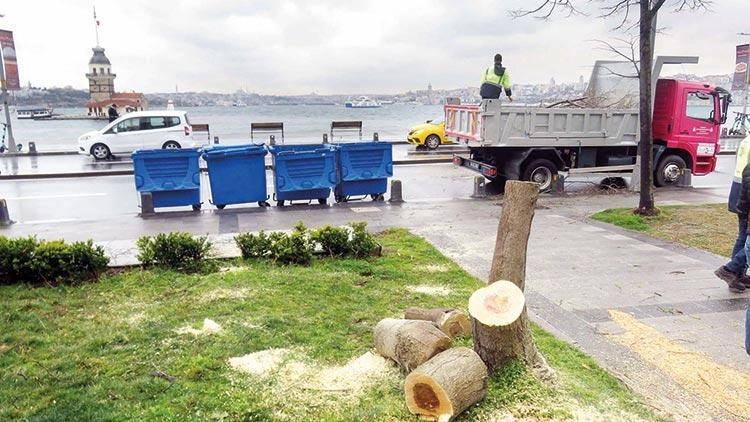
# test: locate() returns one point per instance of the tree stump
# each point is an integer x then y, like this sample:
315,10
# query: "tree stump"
446,385
497,305
452,322
497,345
409,342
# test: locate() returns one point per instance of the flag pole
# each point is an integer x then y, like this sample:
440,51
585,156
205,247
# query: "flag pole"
96,27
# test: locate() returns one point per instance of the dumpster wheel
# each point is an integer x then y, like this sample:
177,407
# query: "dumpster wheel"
340,198
196,207
221,206
322,201
377,197
263,204
280,203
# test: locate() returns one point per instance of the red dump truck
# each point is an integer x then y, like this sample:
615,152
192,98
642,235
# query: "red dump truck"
508,142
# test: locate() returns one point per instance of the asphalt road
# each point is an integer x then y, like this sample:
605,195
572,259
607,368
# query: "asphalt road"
98,198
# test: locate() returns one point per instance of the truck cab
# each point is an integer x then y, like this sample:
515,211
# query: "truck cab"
687,119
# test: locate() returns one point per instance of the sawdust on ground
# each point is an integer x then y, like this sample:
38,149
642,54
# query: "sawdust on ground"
259,363
351,378
432,268
222,293
720,386
430,290
209,327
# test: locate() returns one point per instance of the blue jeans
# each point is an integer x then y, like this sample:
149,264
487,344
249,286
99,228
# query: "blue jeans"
740,251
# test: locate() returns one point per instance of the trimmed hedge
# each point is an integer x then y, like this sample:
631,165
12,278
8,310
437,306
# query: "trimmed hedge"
298,246
176,250
30,260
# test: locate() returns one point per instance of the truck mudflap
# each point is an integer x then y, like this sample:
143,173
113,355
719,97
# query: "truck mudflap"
485,170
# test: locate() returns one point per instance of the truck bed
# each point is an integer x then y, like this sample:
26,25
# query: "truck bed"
493,124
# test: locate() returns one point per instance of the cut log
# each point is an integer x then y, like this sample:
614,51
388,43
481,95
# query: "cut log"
498,304
409,342
452,322
446,385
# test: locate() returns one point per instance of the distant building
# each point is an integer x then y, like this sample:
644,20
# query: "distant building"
102,89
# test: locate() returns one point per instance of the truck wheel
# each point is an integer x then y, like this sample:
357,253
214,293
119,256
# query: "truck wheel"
541,171
669,170
432,142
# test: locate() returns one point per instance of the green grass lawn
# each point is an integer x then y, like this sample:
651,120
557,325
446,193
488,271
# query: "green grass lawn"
114,350
708,227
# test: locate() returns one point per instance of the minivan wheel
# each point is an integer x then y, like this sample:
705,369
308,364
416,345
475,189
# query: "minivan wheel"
100,152
171,145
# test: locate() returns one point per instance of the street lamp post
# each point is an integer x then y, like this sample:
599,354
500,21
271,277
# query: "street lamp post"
11,140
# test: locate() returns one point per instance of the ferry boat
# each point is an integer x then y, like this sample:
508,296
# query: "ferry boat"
362,102
34,112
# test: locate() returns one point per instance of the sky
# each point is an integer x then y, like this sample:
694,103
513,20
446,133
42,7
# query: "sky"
339,47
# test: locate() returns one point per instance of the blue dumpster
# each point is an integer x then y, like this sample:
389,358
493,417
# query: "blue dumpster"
363,169
172,176
237,174
303,172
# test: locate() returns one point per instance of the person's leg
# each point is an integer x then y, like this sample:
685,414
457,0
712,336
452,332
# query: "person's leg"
739,243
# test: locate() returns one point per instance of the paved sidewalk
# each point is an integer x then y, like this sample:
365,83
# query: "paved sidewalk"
651,312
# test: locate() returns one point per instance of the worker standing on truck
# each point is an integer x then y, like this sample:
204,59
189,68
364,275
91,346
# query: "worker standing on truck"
495,80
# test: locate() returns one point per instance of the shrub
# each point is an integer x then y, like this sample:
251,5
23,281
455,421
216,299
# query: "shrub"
293,248
176,250
253,245
362,244
31,260
333,240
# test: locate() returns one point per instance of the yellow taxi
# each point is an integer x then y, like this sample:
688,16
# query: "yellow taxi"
430,134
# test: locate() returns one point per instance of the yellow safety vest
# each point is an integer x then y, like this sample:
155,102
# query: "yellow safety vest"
743,158
491,77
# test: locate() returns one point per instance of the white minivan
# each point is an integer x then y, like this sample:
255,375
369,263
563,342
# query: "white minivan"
139,130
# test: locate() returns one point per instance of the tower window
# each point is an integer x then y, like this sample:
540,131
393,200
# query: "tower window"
101,70
107,71
94,69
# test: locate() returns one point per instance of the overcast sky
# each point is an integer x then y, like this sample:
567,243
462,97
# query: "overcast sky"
336,46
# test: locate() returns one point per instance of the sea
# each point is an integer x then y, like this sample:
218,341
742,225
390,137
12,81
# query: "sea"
302,123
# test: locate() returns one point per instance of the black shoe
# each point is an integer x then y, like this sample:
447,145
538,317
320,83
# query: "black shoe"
744,280
732,279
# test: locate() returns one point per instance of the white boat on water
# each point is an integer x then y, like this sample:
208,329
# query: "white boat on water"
362,102
239,103
34,112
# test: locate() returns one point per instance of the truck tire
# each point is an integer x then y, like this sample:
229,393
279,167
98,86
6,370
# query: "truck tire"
541,171
669,170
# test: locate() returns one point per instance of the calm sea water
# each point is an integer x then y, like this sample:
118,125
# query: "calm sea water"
232,124
302,124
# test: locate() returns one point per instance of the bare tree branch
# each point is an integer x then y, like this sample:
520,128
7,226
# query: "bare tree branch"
547,9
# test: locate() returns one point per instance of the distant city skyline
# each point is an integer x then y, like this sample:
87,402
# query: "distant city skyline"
335,47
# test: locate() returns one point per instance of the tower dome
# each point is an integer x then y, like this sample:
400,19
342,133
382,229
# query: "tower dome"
98,57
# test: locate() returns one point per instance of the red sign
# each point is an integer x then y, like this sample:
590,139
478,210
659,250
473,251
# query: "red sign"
739,82
9,58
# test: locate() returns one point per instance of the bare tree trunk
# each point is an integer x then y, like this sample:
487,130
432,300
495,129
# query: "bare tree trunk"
646,145
498,345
